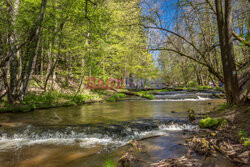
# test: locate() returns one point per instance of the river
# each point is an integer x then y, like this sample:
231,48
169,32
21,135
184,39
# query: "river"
94,134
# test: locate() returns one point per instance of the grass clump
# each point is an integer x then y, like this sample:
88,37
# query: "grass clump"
212,123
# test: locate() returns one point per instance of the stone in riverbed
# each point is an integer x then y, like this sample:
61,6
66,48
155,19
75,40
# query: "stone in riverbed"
191,115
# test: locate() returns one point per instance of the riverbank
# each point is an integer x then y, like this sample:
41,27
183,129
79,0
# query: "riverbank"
227,142
54,99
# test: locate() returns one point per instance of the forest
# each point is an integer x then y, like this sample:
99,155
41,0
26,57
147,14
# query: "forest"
144,64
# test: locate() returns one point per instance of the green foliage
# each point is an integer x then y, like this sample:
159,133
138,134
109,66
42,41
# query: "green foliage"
109,163
204,87
218,89
212,123
146,94
116,97
247,143
222,107
121,95
113,98
80,98
244,138
48,97
243,135
192,84
18,108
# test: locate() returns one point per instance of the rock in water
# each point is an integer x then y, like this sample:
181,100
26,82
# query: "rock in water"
191,115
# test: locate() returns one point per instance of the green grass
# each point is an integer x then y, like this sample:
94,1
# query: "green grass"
48,100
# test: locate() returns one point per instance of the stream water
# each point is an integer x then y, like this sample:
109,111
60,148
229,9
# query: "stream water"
95,134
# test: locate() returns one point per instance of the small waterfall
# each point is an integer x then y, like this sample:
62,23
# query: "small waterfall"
86,135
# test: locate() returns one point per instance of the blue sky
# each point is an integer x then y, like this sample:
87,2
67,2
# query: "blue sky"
167,10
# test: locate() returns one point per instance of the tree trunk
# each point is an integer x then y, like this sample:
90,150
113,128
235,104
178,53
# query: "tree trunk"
32,50
227,55
230,52
13,61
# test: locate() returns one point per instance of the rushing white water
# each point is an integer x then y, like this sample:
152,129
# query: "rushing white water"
19,140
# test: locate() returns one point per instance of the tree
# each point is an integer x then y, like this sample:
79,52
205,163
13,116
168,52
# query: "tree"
224,22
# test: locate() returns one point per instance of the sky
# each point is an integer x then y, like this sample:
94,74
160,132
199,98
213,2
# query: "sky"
167,11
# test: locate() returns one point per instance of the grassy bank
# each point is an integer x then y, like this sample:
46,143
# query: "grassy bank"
54,99
50,100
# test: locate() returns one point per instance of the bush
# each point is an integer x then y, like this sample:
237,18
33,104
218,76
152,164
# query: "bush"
212,123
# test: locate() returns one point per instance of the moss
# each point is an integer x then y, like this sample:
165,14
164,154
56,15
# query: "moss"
212,123
109,163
